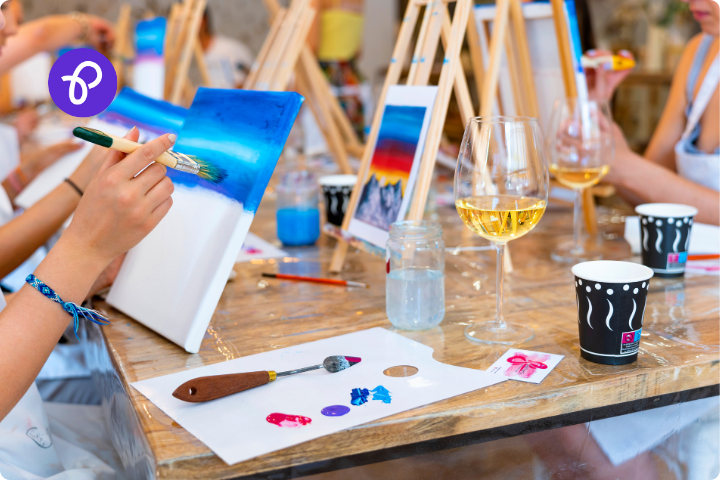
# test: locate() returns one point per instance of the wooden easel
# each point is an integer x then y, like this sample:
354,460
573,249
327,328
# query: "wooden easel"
122,50
312,84
279,54
435,26
181,44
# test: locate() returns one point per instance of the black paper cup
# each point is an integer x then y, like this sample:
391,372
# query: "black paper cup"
665,236
336,191
611,299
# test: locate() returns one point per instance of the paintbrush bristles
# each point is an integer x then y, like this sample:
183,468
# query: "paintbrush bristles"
211,173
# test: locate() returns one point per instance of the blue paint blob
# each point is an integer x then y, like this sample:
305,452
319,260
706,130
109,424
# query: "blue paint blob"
358,396
381,393
335,410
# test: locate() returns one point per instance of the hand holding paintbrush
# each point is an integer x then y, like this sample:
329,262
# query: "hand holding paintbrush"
177,161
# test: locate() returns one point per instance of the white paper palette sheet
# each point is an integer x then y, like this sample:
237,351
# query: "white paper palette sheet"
236,427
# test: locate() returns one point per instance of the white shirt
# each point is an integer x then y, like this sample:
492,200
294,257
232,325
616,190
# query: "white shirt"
228,62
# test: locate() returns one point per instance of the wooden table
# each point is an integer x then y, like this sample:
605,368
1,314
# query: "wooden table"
678,359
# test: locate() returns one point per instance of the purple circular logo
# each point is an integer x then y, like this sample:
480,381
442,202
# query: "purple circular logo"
82,82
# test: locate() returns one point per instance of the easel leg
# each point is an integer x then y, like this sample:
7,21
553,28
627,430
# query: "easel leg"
338,258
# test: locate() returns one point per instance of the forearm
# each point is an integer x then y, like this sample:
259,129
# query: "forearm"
42,35
29,231
22,176
655,184
31,324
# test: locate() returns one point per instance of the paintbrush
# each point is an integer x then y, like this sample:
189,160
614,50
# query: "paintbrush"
177,161
608,62
203,389
329,281
706,256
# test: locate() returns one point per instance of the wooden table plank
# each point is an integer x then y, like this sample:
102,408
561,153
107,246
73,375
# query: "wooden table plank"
679,350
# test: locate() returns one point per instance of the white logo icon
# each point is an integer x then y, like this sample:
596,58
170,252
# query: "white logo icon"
74,78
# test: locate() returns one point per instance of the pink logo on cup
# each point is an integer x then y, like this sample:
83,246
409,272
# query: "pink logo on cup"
82,82
628,337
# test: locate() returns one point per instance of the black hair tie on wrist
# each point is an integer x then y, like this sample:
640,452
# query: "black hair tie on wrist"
75,187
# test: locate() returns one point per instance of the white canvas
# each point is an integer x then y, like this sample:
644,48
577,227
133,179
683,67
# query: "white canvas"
177,273
376,233
10,150
220,423
172,281
29,80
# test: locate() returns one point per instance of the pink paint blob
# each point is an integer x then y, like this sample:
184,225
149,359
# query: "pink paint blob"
289,421
524,366
353,360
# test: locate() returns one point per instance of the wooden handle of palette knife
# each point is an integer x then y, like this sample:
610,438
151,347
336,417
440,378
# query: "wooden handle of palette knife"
204,389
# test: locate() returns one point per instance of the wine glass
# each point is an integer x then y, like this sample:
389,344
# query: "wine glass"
501,190
580,143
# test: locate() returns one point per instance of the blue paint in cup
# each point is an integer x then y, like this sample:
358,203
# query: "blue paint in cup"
298,226
298,216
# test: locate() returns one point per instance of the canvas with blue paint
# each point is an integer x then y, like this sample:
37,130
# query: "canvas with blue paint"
149,67
152,117
172,281
248,152
389,179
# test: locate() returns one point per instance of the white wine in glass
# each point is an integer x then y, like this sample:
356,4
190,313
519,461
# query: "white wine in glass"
581,145
501,189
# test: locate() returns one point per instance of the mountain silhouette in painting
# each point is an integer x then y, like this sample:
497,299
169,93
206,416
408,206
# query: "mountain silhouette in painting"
379,206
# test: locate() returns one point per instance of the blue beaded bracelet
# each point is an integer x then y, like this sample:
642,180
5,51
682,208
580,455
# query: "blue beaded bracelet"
72,308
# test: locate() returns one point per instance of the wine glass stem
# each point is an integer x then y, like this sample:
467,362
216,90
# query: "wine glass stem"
499,273
577,221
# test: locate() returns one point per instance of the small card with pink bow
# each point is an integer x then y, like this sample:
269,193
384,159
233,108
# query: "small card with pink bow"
525,365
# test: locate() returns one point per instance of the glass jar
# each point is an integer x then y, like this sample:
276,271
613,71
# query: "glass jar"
415,286
298,216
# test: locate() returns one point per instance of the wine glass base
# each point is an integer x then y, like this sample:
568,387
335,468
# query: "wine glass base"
567,253
489,333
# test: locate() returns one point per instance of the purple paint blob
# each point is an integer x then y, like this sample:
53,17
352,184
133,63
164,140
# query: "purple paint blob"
335,410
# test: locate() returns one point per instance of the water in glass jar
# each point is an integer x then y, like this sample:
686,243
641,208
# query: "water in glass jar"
415,298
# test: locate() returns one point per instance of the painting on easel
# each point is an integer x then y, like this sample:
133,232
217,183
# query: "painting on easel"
149,68
172,281
390,177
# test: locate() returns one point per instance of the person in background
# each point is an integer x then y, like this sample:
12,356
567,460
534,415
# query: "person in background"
682,161
336,37
50,33
18,42
228,60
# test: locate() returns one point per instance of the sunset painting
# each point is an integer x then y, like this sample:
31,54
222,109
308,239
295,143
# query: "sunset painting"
391,165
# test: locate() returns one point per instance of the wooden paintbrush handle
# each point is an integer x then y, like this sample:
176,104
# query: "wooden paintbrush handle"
204,389
120,144
128,146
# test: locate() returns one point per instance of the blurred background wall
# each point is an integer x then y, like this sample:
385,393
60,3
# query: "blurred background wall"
244,20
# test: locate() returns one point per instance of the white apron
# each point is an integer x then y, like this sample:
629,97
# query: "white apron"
66,442
701,168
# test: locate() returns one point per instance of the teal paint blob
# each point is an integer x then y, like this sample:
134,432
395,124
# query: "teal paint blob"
381,393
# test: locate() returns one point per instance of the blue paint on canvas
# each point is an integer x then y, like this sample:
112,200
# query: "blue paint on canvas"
150,37
241,131
132,109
